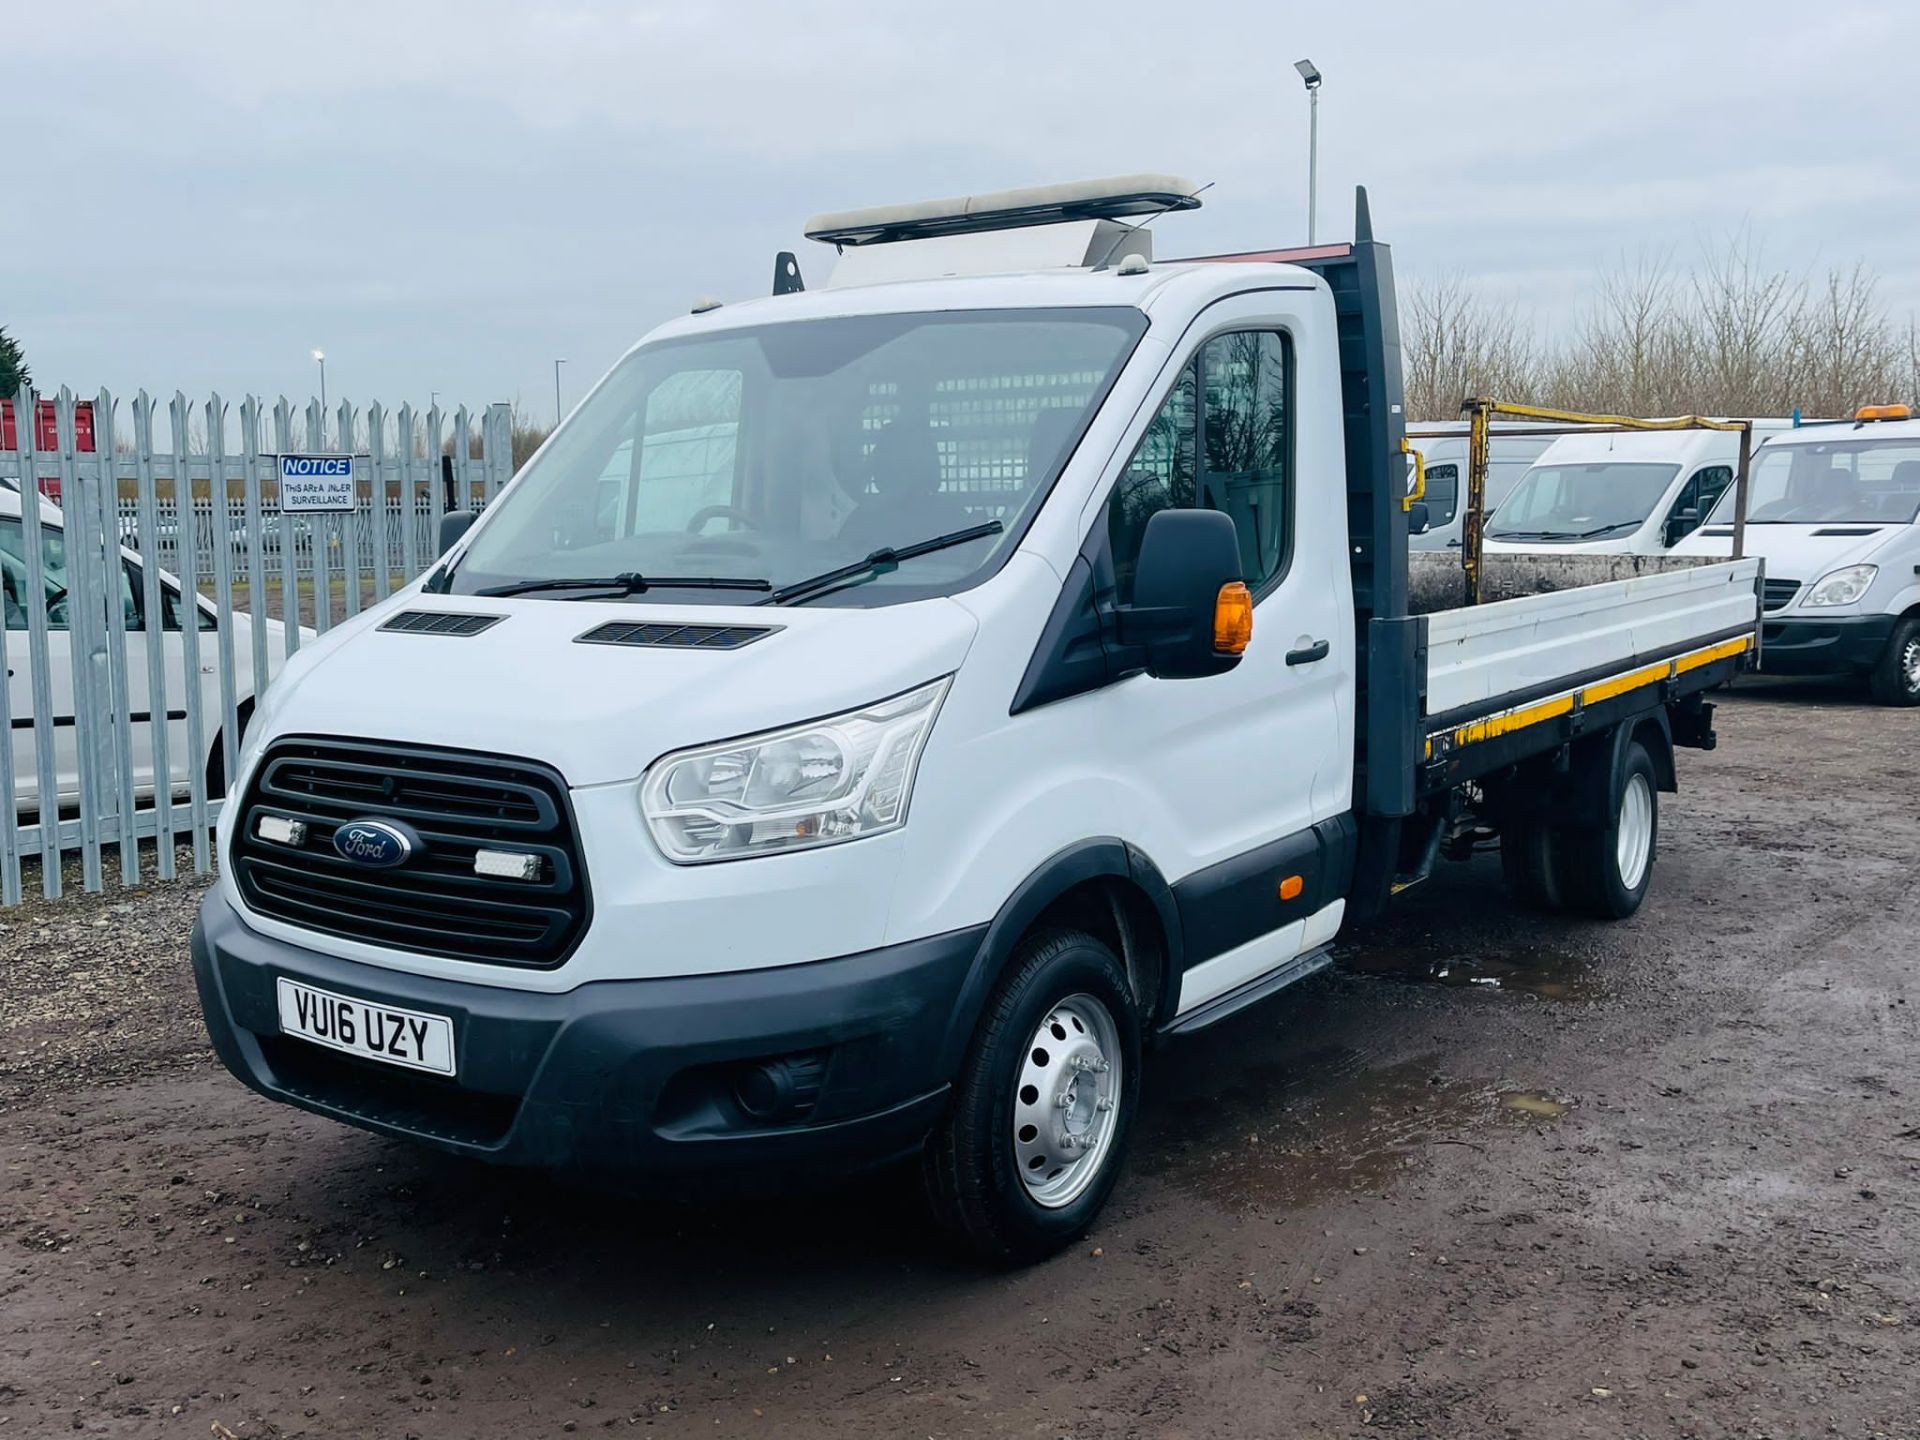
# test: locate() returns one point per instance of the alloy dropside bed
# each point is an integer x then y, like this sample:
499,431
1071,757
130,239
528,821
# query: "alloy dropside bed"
1572,652
1450,692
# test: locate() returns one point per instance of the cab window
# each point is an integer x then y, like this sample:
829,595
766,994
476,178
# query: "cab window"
14,575
1696,500
1443,494
1222,440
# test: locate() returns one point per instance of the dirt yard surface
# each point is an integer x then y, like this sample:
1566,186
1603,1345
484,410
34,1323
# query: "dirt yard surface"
1494,1175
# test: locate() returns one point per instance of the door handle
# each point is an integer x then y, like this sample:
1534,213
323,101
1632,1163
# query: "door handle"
1318,650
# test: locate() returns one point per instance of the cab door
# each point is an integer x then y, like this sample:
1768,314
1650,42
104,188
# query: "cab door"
1254,766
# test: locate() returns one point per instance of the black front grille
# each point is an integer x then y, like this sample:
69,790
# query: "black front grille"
676,637
457,803
1778,593
441,622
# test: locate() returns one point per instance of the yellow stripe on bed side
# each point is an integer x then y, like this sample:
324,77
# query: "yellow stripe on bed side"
1712,653
1620,684
1513,720
1509,721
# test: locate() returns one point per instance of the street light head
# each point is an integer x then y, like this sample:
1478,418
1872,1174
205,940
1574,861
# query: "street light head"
1308,73
320,355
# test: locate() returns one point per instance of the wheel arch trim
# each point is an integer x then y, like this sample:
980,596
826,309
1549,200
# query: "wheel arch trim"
1103,857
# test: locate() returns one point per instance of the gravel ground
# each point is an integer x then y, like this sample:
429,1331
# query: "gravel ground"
1494,1175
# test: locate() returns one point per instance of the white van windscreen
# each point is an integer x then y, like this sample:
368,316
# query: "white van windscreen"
1568,503
1842,481
771,454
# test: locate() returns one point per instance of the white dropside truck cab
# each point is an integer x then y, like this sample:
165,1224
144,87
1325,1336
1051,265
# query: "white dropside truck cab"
1832,511
41,693
881,711
1512,446
1618,493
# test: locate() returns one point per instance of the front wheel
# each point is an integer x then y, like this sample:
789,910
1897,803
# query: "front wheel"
1610,866
1896,674
1043,1108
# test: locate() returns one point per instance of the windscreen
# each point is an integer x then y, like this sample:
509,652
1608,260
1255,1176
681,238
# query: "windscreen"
1850,480
1566,503
778,452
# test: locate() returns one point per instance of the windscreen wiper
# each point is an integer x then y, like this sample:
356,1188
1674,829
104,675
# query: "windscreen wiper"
880,562
629,583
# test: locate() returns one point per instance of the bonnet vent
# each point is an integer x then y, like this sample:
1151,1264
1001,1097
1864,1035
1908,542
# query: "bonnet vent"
656,635
441,622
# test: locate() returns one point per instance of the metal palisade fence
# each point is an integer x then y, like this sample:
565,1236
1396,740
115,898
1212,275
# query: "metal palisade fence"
159,566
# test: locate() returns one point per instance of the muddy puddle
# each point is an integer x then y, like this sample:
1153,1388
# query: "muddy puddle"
1290,1135
1534,1105
1532,970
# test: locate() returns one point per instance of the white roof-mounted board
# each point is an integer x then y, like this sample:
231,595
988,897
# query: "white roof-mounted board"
1116,198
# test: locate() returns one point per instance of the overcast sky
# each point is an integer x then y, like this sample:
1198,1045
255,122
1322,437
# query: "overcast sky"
446,195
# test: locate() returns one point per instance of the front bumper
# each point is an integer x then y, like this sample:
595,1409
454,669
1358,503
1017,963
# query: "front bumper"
619,1075
1843,645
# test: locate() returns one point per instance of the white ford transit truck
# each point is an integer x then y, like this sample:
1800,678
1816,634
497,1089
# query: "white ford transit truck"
882,711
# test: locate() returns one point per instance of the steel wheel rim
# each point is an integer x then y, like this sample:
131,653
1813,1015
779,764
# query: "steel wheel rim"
1066,1101
1910,665
1634,844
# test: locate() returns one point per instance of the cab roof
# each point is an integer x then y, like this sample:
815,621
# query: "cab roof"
1828,432
1179,287
1646,447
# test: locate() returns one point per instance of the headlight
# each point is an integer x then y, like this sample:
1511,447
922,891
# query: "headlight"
829,780
1842,587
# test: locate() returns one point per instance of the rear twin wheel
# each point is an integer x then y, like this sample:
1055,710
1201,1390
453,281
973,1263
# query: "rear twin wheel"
1600,870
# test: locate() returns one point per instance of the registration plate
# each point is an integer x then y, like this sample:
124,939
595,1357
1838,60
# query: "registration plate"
361,1027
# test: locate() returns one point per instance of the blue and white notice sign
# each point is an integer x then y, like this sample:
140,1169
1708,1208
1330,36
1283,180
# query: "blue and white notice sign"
311,484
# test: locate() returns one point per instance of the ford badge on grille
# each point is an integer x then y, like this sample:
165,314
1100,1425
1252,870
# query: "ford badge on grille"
374,842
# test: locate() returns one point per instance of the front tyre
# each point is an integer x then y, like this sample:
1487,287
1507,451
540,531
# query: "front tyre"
1896,674
1043,1108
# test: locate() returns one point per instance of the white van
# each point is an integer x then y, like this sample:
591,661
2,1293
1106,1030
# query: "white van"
880,709
1832,510
1511,448
1636,492
32,713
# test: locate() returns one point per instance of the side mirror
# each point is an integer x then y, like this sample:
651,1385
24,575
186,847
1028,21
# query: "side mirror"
1681,524
1191,613
1418,522
453,525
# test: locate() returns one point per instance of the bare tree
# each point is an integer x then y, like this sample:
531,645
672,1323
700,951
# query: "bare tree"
1910,381
1454,344
1628,354
1847,354
528,436
1730,336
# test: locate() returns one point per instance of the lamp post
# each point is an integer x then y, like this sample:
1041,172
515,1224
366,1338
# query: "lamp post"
1311,76
557,413
320,359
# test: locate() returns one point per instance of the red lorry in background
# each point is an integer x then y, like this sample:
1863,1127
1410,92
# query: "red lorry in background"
46,435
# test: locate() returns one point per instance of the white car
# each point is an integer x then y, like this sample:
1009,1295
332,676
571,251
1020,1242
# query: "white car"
144,631
1832,510
1619,492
